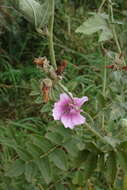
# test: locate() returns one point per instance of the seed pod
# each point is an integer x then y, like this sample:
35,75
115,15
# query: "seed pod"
42,63
61,67
53,74
46,86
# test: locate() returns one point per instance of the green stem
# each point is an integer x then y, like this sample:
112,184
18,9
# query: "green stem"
114,32
113,28
50,35
103,139
63,88
102,4
89,116
105,78
104,88
95,132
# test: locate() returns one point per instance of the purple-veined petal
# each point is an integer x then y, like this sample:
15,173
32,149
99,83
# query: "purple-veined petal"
66,120
57,112
60,107
78,119
71,120
80,101
68,110
64,97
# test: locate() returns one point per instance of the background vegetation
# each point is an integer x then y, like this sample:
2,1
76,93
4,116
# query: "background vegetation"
37,153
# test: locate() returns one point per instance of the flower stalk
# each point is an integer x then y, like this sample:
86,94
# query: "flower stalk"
97,134
94,132
50,35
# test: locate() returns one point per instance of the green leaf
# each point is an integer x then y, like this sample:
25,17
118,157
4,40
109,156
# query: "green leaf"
38,100
33,150
112,141
123,146
8,142
92,147
16,169
36,13
46,108
90,165
29,10
59,186
30,171
81,157
64,132
78,178
45,13
44,167
71,147
23,154
105,35
58,157
122,160
44,144
111,168
34,93
116,76
101,162
116,112
54,137
92,25
95,24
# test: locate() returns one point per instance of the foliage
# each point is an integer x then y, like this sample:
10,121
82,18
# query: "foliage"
95,24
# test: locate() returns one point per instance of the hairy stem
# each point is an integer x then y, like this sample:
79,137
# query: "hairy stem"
94,132
102,4
98,135
105,78
104,89
64,89
113,28
50,35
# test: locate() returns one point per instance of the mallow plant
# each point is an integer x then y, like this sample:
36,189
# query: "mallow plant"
83,143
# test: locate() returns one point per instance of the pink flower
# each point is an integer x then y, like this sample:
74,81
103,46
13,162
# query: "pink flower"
67,110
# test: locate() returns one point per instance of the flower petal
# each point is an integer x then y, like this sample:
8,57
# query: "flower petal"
80,101
78,119
60,106
71,120
64,97
58,110
66,120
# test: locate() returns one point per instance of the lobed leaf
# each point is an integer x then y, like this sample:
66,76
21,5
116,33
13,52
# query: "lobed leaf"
16,169
36,13
44,167
30,171
90,165
58,157
111,168
95,24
